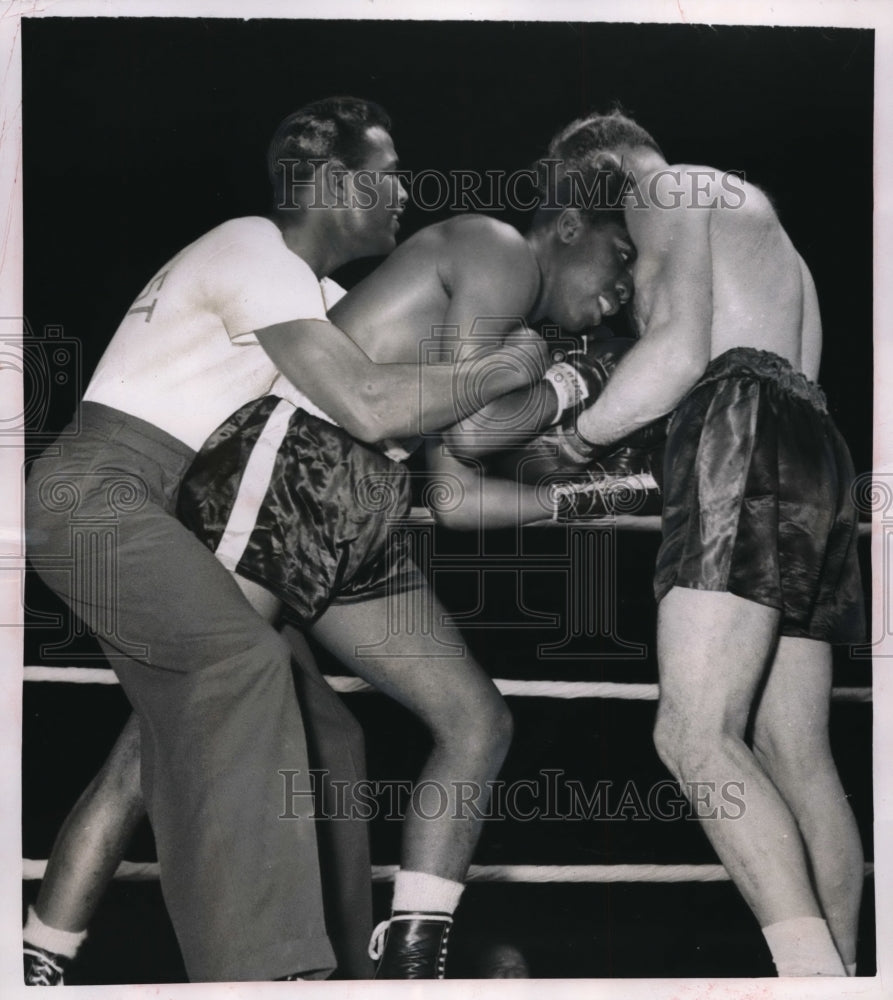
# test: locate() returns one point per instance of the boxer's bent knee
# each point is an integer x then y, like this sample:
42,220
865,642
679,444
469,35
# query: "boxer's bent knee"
499,724
687,750
482,732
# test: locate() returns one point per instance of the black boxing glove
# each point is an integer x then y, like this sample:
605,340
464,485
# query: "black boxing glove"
580,376
561,452
577,379
639,452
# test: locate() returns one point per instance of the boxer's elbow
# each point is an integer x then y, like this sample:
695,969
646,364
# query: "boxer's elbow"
365,415
362,425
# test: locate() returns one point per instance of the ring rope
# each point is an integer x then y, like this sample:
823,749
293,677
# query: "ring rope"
510,688
149,871
137,871
629,522
529,689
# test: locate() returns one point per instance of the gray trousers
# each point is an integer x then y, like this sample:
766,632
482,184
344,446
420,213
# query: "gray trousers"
212,684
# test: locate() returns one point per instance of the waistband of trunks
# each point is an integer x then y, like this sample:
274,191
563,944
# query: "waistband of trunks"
768,367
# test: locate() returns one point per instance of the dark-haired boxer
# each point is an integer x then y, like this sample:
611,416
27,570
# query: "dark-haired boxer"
291,503
757,573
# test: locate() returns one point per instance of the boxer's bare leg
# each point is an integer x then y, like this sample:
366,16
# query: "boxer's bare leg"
267,605
93,838
713,649
469,722
790,741
471,730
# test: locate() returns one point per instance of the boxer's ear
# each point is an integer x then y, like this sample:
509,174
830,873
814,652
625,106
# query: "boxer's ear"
606,162
569,225
612,181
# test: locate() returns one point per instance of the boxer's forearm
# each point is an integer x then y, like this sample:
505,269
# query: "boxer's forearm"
374,401
463,498
487,376
649,382
507,422
675,283
498,503
577,377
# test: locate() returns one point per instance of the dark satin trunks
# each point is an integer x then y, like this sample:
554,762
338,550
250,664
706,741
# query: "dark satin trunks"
302,508
757,498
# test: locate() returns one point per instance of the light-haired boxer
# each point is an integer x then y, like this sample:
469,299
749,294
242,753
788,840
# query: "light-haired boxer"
209,678
757,573
317,545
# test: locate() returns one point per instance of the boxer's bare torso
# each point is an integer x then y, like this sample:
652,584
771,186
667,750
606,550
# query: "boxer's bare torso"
470,282
437,284
758,290
473,279
713,271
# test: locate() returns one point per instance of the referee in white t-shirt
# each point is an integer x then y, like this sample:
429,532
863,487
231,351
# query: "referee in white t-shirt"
208,676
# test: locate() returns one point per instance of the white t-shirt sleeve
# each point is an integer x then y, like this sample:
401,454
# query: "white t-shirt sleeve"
255,281
332,292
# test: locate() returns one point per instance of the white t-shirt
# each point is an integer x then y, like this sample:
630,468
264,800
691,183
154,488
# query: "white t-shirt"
186,356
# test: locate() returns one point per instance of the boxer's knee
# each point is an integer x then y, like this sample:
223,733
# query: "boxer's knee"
687,749
482,731
665,736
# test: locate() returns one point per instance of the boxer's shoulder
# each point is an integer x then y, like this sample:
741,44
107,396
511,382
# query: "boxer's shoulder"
482,246
482,233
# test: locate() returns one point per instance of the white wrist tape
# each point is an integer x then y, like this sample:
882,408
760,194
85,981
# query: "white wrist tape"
569,385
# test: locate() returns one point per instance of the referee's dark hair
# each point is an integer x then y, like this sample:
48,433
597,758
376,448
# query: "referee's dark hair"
332,129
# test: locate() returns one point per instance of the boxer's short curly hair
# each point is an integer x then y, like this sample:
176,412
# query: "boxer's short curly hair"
594,188
582,167
331,129
586,137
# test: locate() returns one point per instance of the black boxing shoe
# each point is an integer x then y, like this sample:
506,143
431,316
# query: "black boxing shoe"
411,946
42,967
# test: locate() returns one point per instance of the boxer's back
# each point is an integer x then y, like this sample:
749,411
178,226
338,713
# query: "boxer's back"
407,299
762,293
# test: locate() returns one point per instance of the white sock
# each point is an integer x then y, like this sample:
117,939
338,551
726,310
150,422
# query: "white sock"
421,892
41,935
802,946
850,968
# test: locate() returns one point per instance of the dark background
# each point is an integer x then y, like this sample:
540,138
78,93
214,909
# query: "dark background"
140,134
